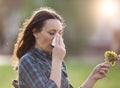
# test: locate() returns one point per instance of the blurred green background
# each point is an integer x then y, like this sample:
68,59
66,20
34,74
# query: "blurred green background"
89,32
77,70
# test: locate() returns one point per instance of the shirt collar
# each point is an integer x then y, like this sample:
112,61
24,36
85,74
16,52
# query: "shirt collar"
42,53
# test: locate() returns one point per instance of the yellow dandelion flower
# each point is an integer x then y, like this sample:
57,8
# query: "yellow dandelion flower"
110,56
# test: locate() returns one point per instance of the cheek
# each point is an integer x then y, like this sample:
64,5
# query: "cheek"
48,39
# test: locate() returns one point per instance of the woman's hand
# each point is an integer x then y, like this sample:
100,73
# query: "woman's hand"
59,50
100,71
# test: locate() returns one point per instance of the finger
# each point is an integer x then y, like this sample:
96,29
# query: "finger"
106,64
118,57
103,73
104,69
61,42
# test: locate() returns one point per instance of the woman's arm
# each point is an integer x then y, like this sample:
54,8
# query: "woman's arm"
99,72
58,54
56,72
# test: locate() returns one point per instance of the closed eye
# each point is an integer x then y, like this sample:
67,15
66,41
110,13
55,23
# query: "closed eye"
52,33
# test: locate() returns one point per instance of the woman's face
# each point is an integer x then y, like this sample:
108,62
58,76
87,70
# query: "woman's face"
44,38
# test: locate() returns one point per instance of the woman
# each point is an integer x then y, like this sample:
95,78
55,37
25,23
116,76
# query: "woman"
40,64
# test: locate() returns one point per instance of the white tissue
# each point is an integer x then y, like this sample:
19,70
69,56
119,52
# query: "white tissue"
54,40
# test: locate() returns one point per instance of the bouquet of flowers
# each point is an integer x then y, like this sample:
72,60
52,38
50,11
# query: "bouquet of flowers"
111,57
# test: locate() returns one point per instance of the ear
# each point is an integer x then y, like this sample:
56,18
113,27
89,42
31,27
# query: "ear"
35,34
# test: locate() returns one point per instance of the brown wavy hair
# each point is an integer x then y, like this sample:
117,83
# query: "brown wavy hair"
26,40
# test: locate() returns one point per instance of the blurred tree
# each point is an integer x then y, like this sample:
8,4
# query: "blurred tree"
2,11
77,16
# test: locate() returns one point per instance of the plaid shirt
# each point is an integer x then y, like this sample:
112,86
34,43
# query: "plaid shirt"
34,71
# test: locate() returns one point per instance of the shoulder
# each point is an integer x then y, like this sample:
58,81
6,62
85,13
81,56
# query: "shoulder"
27,63
31,58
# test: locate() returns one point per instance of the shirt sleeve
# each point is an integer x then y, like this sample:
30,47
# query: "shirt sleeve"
35,77
65,71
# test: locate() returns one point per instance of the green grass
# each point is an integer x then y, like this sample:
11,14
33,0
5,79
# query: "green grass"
6,76
77,71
